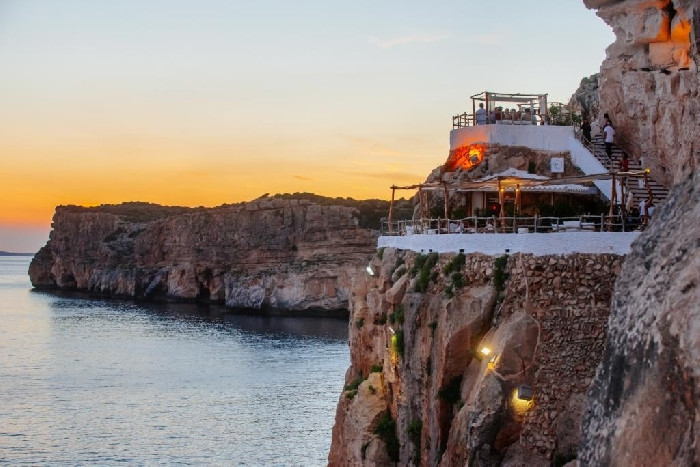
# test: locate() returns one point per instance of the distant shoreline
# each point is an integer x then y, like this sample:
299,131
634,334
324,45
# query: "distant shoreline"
7,253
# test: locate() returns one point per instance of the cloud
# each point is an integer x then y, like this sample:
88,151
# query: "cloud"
305,179
405,40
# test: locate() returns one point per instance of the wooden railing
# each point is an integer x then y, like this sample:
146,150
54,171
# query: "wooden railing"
514,224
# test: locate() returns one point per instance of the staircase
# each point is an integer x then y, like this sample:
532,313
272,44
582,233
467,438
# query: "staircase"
597,148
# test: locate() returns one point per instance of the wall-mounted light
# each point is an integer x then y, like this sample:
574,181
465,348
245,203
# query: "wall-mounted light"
524,392
485,351
522,400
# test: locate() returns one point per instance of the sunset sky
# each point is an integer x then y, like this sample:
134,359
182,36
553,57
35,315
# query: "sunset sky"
218,101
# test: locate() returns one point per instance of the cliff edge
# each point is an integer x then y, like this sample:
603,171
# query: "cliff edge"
268,253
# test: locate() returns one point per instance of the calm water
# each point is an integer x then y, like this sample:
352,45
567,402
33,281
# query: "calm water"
100,382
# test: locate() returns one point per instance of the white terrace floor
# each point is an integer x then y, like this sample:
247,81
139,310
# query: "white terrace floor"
538,244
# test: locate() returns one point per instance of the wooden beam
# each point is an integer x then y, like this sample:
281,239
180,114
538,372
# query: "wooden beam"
447,201
391,209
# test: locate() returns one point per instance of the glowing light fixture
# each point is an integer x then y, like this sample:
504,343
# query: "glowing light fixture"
524,392
485,351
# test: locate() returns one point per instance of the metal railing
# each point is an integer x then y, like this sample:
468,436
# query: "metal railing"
466,119
513,224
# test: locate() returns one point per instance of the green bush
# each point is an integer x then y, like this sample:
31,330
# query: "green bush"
415,429
376,368
450,393
455,264
386,430
499,272
380,252
397,342
351,387
359,323
457,280
397,315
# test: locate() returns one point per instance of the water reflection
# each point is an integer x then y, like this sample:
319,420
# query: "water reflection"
89,381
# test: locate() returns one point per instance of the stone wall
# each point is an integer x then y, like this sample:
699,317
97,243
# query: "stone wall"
546,328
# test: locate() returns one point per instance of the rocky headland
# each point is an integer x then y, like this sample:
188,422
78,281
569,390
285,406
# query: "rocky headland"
274,252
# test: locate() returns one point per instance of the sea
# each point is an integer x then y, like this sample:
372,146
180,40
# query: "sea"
89,381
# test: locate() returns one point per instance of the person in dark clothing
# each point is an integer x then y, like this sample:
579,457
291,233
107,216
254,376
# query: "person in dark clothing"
586,129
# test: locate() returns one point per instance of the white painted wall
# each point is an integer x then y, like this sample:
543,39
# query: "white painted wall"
538,244
546,138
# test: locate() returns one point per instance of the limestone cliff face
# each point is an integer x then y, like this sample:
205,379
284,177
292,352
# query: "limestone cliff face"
268,253
644,406
649,82
420,391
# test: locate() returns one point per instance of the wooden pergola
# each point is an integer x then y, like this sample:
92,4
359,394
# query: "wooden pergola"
501,182
521,100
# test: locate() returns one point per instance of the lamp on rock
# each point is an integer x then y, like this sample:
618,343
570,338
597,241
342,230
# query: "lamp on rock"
524,392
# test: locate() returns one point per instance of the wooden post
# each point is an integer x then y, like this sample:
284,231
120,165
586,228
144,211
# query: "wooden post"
488,115
473,111
447,201
517,198
391,209
646,184
613,201
501,198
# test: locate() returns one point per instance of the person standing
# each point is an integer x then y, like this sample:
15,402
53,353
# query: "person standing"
480,116
609,135
625,163
586,129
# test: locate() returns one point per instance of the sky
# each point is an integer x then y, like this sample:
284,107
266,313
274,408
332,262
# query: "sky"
205,102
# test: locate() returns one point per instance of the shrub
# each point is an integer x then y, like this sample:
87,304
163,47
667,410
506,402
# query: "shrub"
455,264
386,430
397,315
414,433
499,274
457,281
351,387
359,323
450,393
380,252
397,342
380,319
371,389
376,368
449,291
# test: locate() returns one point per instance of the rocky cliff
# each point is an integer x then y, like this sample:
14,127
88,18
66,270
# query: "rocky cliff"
420,390
649,82
269,253
644,405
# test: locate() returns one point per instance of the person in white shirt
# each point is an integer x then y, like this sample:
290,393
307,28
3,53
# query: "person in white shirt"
481,115
609,135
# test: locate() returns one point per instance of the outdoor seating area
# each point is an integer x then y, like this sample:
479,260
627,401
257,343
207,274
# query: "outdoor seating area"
504,109
513,225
